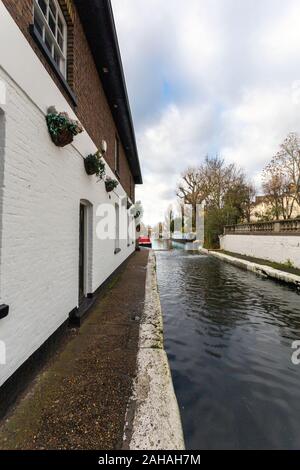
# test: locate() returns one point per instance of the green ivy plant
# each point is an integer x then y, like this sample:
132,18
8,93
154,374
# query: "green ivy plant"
135,212
110,184
61,127
94,165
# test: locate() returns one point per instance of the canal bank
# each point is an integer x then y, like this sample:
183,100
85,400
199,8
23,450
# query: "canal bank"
80,399
153,419
260,268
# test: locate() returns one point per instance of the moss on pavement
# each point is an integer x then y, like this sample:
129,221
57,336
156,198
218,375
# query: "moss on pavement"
80,399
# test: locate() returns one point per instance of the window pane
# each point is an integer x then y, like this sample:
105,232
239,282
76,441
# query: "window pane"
38,23
48,42
60,25
43,6
52,8
117,239
52,23
60,41
63,67
56,57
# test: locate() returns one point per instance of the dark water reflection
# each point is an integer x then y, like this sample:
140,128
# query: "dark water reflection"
228,336
161,245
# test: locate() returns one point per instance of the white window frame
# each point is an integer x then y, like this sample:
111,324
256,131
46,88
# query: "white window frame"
117,228
128,230
44,19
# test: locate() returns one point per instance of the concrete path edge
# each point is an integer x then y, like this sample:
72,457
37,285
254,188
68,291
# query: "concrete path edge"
262,270
153,419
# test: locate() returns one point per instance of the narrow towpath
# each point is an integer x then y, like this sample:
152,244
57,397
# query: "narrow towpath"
79,401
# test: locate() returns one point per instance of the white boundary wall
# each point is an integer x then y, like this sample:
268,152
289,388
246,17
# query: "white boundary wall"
41,189
278,248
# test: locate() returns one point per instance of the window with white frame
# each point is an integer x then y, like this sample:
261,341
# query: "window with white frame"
117,228
128,234
51,26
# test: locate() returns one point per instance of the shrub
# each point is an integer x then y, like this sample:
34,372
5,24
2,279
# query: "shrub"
94,165
110,184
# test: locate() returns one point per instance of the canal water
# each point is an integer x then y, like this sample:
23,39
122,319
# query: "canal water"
228,336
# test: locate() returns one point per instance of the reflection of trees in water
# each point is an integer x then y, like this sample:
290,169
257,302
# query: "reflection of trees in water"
226,295
225,332
158,244
285,317
219,299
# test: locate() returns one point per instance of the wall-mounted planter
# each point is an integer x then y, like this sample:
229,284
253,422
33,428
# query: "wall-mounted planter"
62,128
94,165
136,213
63,138
4,311
90,167
110,184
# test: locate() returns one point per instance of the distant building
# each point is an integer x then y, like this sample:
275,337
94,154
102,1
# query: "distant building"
262,209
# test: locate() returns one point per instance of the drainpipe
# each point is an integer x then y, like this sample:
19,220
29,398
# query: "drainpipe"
4,309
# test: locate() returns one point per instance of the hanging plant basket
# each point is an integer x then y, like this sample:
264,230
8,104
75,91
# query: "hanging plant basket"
110,184
62,128
94,165
136,213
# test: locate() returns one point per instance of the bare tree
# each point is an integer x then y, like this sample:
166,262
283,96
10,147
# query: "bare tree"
250,194
224,189
169,222
219,180
239,200
288,161
281,178
190,190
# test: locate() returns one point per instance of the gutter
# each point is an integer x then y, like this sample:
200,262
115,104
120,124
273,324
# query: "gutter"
153,420
139,179
97,19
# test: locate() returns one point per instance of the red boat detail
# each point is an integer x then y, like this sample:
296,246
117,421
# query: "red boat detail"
145,242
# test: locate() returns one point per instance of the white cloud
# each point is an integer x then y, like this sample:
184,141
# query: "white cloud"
216,76
254,128
176,141
280,40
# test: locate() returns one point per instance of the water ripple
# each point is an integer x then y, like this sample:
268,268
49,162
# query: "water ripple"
228,338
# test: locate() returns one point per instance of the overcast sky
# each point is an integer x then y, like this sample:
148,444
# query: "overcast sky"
207,77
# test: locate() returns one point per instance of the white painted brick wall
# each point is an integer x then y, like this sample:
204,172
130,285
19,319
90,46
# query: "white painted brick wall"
270,247
43,186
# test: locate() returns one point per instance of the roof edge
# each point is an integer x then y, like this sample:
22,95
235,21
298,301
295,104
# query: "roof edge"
98,21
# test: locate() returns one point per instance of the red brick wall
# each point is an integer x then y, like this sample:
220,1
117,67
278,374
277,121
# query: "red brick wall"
92,110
